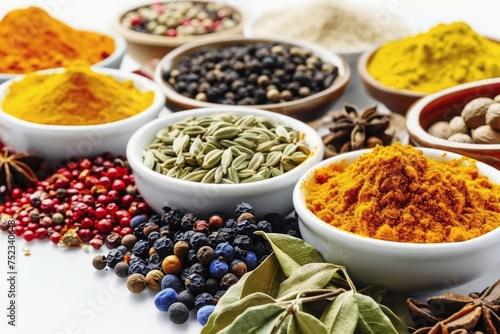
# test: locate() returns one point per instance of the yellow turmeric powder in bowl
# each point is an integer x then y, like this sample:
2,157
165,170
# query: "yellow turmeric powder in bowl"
397,193
444,56
31,40
75,96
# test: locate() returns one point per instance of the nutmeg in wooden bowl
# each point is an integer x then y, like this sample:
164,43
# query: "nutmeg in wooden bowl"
426,121
289,77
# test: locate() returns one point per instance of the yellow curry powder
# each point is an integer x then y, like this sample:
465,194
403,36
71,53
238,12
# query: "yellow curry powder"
446,55
31,40
77,96
396,193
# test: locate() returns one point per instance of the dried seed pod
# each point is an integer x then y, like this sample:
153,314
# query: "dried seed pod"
474,112
485,135
492,117
440,129
461,138
457,125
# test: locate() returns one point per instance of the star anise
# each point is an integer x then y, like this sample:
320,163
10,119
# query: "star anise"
17,169
350,129
458,314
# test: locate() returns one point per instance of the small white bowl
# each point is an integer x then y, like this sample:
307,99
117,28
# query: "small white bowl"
57,142
272,195
114,60
405,267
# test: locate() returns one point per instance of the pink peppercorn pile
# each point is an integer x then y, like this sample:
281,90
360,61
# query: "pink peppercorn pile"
89,198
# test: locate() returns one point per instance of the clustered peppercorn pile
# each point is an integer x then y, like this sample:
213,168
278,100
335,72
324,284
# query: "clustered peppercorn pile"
190,261
181,18
83,201
251,74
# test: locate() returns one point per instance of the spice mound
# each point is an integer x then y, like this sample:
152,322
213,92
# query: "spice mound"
182,18
77,96
251,74
31,40
226,148
444,56
332,24
396,193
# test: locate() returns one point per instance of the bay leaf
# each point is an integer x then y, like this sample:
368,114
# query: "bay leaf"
341,316
310,276
306,323
292,252
266,278
398,324
260,319
376,292
234,310
396,302
293,327
372,319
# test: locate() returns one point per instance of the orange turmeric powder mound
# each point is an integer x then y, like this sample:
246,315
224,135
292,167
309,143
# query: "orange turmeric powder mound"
31,40
396,193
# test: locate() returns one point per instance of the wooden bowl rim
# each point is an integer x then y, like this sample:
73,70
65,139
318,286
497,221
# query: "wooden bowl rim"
416,131
150,39
338,86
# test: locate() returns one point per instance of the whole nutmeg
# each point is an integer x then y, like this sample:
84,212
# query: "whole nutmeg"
136,283
461,138
474,112
153,278
371,142
486,135
457,125
492,117
440,129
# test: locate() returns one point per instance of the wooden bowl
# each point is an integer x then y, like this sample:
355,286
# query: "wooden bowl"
443,106
143,46
396,100
300,108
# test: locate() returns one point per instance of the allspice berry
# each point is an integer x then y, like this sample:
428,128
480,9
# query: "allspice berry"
136,283
474,112
99,262
492,117
440,129
121,269
153,278
129,241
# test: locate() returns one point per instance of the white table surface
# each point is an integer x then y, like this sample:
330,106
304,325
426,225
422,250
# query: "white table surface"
58,291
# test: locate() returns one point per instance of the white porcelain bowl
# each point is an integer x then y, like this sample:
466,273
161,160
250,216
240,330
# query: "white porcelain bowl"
57,142
113,61
273,195
407,267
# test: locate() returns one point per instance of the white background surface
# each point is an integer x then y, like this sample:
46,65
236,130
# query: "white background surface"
58,291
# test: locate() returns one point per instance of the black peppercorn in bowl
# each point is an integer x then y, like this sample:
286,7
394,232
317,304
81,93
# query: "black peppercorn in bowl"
289,77
152,30
271,193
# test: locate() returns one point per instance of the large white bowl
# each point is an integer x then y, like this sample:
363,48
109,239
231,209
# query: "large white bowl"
272,195
399,266
114,60
57,142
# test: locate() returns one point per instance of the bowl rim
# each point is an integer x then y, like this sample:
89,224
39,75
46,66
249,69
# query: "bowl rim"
313,222
155,40
138,166
339,84
362,67
145,83
413,116
119,52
